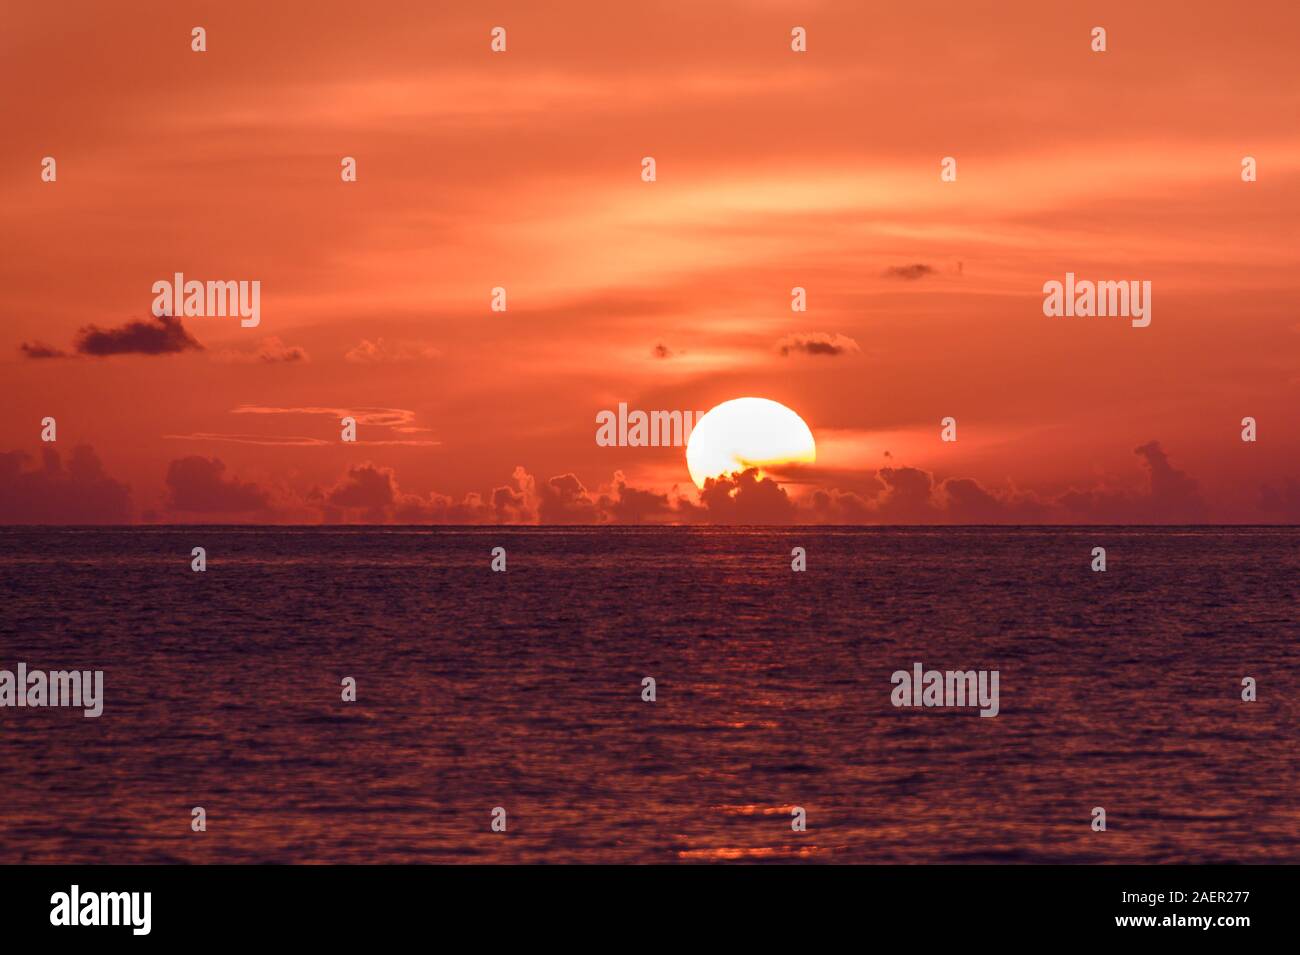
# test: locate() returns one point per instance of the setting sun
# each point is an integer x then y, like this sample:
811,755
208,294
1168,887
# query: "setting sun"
745,433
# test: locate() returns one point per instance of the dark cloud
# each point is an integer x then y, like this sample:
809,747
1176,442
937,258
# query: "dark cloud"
198,484
563,500
80,493
515,505
839,507
370,494
968,502
816,343
163,335
909,273
890,495
629,505
41,350
907,496
367,490
747,498
1174,495
661,351
1171,497
440,509
1281,503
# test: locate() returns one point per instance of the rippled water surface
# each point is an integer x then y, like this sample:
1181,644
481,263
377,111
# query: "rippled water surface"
523,690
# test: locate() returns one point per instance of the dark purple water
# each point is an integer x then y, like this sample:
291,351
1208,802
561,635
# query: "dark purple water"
523,690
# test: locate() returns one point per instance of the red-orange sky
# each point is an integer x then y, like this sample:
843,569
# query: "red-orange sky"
775,169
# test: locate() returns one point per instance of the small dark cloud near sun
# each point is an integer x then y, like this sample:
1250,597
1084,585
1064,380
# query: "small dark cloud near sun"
661,351
816,343
163,335
909,273
41,350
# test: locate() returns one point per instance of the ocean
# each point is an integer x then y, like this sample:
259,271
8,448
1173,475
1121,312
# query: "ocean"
523,690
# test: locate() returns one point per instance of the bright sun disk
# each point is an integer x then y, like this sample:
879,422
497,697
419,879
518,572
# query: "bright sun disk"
747,433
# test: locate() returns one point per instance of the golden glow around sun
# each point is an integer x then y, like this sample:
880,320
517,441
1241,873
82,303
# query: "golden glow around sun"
746,433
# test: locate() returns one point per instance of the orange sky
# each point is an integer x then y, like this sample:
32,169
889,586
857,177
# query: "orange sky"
775,169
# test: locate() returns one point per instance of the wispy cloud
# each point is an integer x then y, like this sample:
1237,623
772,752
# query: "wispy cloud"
271,351
391,420
382,351
293,441
41,350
